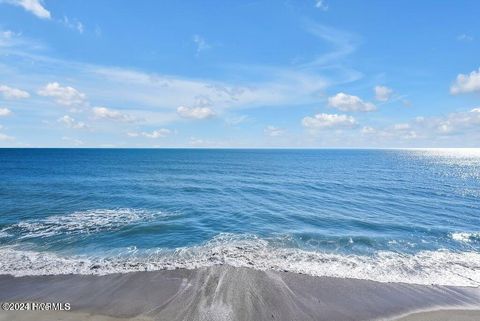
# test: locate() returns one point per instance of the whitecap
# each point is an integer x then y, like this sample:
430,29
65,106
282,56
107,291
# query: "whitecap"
90,221
465,237
4,233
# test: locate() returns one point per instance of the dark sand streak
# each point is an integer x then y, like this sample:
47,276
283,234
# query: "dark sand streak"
228,293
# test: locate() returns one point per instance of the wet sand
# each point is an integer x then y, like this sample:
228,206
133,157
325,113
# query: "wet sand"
443,315
228,293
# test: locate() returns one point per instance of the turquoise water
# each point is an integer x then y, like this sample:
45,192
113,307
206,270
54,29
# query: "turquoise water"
386,215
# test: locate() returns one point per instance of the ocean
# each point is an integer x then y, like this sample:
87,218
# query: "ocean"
386,215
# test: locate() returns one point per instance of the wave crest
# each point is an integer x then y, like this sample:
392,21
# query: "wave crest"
426,267
466,237
90,221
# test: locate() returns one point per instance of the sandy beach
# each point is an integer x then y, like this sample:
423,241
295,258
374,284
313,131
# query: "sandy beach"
229,293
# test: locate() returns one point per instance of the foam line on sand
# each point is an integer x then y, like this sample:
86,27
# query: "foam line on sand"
229,293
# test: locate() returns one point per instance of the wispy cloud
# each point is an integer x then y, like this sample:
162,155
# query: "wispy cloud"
235,120
6,38
73,141
111,114
159,133
13,93
70,122
321,4
273,131
15,43
5,137
342,43
35,7
201,43
430,129
73,24
145,91
168,92
465,37
154,98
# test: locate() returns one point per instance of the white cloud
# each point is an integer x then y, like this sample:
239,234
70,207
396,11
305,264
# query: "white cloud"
5,112
67,96
466,83
159,133
368,130
345,102
392,133
409,135
455,122
419,119
156,92
320,4
195,112
33,6
111,114
273,131
161,94
13,93
401,130
444,128
5,137
403,126
320,121
71,122
432,128
383,93
201,43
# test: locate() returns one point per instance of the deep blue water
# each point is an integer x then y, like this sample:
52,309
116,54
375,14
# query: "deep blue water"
378,214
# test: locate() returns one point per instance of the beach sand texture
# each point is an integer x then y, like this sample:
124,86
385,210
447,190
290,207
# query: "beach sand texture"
229,293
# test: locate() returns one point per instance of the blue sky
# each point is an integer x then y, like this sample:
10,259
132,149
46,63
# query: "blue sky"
303,73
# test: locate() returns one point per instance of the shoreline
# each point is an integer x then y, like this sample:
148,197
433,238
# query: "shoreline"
441,315
232,293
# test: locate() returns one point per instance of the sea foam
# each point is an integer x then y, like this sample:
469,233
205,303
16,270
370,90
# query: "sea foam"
90,221
441,267
466,237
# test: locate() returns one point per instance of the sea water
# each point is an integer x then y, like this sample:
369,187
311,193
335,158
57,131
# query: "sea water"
386,215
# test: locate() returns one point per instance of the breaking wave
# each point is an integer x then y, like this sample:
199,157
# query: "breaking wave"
81,222
441,267
466,237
